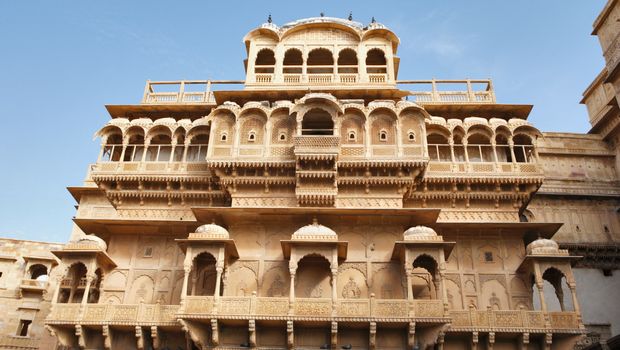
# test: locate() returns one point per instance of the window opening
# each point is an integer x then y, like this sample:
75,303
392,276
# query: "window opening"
22,330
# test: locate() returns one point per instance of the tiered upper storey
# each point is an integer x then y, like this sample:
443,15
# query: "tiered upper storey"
321,121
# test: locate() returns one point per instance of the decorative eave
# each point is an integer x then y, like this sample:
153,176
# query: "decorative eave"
78,191
229,244
342,246
46,259
392,162
148,177
431,177
271,162
103,259
531,258
401,246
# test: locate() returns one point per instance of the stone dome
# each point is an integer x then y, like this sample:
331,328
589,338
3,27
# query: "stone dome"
212,230
315,231
90,239
419,232
543,246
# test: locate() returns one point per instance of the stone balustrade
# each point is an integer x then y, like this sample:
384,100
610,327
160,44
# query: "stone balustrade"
494,168
514,319
16,342
127,314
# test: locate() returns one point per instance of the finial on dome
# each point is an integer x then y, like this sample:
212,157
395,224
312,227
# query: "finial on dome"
350,15
315,221
373,20
322,14
269,19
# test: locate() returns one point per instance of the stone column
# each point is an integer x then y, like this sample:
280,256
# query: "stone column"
409,272
573,292
125,144
187,268
451,143
147,143
511,145
173,146
186,143
494,146
58,280
465,150
292,270
399,140
334,290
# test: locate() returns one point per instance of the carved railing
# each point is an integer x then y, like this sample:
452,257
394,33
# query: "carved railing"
495,169
317,145
513,319
15,342
113,314
177,168
30,284
434,95
181,95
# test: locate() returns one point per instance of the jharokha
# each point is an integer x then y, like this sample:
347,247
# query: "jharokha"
323,203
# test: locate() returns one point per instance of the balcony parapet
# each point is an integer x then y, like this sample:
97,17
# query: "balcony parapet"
317,147
484,169
268,308
16,342
97,314
201,91
113,171
33,285
435,95
515,321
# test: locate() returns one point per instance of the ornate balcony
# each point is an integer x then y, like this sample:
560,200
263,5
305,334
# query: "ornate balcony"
516,320
94,314
33,285
186,92
388,310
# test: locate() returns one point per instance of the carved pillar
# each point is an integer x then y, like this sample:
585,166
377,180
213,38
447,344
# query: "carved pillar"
139,338
573,293
58,280
79,333
173,146
123,150
252,333
101,150
524,340
367,137
236,138
290,335
442,280
187,143
292,271
187,269
89,279
411,335
218,284
465,150
215,333
511,145
334,290
494,146
268,132
451,143
548,341
491,340
107,337
409,272
440,340
474,341
155,337
147,143
334,338
372,342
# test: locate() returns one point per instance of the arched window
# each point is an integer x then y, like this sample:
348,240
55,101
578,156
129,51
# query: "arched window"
313,277
204,275
352,136
135,148
159,149
197,149
113,148
502,149
524,151
383,135
317,122
424,271
438,148
265,61
39,273
410,136
376,62
252,136
347,61
224,137
479,148
320,61
293,62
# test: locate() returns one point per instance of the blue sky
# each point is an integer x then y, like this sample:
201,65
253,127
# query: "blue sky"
61,62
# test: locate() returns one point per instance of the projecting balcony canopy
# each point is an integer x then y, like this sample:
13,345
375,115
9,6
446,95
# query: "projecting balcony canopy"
210,234
421,237
314,235
87,246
